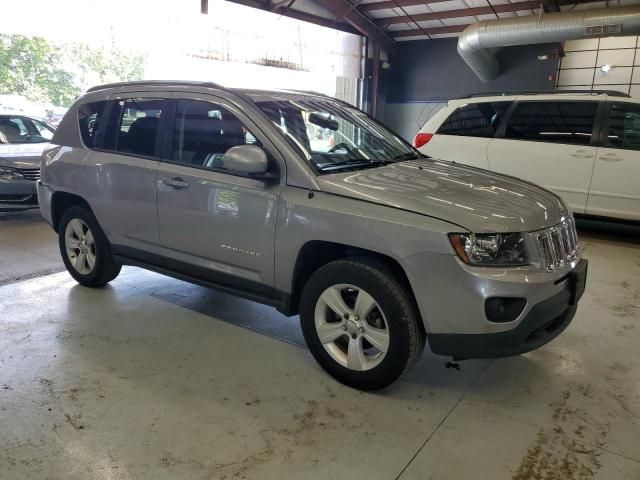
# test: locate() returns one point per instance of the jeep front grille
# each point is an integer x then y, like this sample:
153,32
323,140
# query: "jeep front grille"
30,173
558,245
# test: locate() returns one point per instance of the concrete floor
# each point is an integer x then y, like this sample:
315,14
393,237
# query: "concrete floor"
152,378
28,247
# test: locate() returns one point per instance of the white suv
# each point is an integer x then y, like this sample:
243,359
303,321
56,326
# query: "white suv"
585,146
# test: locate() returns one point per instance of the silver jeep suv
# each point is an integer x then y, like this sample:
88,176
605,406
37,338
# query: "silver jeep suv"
302,202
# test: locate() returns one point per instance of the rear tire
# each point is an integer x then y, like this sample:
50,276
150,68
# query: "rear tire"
85,249
360,323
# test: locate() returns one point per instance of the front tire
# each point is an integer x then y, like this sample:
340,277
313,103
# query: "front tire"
85,249
360,324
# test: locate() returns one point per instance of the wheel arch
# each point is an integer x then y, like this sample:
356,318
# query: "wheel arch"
316,253
60,202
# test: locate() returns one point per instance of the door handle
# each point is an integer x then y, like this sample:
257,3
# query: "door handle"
610,157
581,155
176,183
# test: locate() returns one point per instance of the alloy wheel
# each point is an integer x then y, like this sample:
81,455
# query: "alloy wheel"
352,327
80,246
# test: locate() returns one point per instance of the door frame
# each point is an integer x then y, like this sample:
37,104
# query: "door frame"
602,144
252,290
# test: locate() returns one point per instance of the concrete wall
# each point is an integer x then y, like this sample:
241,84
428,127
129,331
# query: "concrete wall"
407,118
426,73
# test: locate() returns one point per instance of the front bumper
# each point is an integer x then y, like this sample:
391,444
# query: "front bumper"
544,322
451,297
45,195
17,195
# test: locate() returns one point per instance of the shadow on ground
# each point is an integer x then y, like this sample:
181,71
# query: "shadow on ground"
609,230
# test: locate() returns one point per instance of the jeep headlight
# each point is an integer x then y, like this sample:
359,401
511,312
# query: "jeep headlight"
491,249
9,173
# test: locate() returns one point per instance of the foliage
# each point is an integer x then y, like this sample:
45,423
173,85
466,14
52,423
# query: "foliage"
95,66
32,67
45,73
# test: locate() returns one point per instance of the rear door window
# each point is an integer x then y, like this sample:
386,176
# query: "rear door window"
553,122
475,120
624,126
138,125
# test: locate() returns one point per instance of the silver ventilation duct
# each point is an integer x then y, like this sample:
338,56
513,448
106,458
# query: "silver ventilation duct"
476,42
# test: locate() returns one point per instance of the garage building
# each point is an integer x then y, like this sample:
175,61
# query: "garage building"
339,239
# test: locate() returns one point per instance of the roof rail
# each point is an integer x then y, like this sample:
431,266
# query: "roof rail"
613,93
309,92
156,83
320,94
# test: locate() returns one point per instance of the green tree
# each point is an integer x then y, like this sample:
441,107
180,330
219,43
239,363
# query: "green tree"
33,67
42,72
96,65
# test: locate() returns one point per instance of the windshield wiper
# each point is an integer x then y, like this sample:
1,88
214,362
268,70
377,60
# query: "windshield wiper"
351,164
408,156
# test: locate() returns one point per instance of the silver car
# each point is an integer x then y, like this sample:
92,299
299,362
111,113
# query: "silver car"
305,203
22,141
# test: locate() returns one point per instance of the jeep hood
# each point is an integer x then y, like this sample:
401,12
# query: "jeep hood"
478,200
22,155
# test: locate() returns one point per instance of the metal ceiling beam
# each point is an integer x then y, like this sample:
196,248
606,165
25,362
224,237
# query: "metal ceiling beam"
367,7
282,8
308,17
429,31
348,17
554,5
574,2
461,12
352,7
358,20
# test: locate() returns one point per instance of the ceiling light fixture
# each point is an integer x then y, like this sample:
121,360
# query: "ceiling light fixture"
605,68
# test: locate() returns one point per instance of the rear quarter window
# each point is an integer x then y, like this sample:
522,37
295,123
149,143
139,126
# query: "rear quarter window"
475,120
90,118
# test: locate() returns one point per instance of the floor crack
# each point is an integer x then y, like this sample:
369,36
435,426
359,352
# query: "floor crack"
471,385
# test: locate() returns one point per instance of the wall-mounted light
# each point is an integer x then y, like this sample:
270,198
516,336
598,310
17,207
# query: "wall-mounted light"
605,68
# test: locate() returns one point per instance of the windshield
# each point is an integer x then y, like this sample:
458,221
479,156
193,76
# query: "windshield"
19,129
333,136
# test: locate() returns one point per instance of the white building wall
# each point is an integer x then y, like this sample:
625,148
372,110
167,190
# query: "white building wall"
580,68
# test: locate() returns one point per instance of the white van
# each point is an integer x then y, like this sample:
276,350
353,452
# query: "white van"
585,146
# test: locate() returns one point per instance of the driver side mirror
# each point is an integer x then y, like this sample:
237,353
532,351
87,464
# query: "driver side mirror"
250,160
